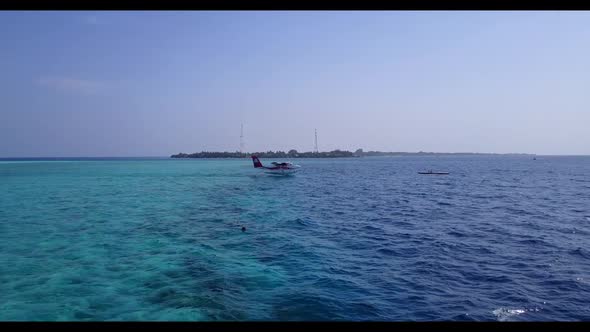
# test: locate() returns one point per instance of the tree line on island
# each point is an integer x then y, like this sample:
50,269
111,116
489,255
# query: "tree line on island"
328,154
267,154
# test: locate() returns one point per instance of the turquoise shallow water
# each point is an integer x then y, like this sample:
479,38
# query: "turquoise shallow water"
500,238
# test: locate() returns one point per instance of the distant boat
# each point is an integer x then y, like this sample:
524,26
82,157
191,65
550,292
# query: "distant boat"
284,168
434,173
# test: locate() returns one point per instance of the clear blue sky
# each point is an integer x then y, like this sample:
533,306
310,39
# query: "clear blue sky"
156,83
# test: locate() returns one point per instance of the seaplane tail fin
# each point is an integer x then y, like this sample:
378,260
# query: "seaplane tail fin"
256,161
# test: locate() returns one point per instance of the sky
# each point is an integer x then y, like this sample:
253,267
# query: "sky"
132,83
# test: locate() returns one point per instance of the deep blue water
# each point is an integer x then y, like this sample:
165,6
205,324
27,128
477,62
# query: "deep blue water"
500,238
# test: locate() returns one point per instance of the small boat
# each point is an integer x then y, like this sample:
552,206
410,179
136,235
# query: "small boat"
284,168
434,173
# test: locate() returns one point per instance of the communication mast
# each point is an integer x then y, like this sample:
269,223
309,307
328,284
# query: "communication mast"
242,138
315,148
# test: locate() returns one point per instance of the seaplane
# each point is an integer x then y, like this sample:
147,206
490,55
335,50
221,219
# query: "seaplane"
284,168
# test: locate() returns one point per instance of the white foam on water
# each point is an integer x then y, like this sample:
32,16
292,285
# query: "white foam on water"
503,314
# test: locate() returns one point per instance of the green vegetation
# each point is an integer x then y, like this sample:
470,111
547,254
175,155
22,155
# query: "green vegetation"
268,154
330,154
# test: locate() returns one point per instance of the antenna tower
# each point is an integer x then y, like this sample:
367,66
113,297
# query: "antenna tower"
242,138
315,147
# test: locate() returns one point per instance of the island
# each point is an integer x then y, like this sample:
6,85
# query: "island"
327,154
267,154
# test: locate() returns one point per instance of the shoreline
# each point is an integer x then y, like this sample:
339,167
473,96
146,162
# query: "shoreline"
333,154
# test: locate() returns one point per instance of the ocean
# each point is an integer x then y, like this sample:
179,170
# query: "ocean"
501,238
